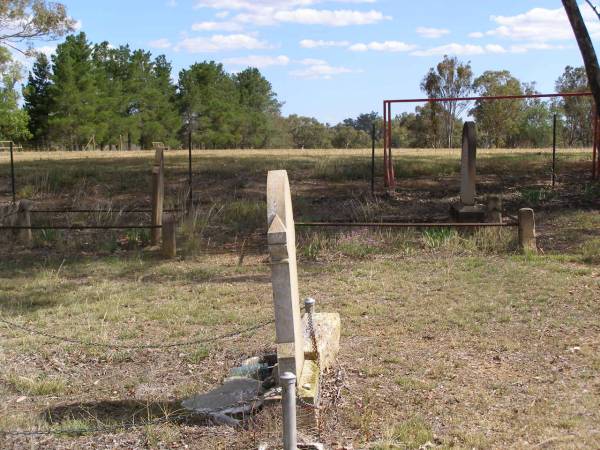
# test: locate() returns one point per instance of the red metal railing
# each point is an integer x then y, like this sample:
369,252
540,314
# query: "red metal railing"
388,164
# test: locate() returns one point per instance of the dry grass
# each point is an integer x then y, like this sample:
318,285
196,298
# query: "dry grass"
452,340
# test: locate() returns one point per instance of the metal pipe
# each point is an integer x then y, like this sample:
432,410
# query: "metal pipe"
191,196
373,160
595,149
402,224
554,152
492,97
386,181
309,305
12,173
288,406
392,175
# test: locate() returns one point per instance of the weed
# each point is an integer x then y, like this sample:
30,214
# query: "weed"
537,196
39,385
435,238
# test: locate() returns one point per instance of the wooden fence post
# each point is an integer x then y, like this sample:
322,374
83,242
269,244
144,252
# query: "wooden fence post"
24,220
169,231
527,238
158,194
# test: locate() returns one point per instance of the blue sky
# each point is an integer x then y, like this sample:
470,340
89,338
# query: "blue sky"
333,59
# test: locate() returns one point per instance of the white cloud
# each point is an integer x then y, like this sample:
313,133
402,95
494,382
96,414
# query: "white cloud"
540,25
476,35
387,46
322,71
256,4
171,3
48,50
258,61
309,16
432,33
312,62
309,43
216,26
221,42
222,14
160,43
458,50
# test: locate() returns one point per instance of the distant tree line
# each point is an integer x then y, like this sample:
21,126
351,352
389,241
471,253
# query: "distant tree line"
124,98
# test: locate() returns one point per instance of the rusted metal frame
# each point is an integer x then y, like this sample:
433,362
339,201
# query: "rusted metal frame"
491,97
392,175
386,181
81,227
404,224
85,211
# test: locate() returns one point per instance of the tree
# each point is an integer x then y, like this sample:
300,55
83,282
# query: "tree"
535,121
209,94
308,132
23,21
73,93
258,105
37,100
449,79
575,110
497,121
344,136
585,46
13,120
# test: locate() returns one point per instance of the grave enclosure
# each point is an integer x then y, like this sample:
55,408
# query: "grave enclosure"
163,227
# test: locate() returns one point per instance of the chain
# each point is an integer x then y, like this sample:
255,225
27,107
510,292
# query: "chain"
315,349
135,347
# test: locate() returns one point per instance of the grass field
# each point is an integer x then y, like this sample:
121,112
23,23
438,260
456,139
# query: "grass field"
449,338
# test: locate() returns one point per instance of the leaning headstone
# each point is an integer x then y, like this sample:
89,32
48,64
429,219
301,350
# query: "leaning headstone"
467,210
282,247
158,193
527,237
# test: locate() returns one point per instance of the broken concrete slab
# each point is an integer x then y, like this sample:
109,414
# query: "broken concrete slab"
228,403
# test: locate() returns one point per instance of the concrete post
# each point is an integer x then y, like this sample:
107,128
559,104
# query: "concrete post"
527,238
288,406
284,275
24,220
158,193
169,231
494,209
468,164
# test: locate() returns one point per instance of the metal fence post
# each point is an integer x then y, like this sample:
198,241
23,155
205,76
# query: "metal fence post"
12,173
288,404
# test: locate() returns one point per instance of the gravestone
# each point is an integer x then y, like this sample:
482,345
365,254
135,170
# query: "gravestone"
158,194
467,210
281,238
295,347
527,236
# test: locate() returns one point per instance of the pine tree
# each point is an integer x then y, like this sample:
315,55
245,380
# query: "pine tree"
73,93
37,100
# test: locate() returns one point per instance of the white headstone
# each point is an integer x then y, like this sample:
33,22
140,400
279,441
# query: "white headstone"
284,274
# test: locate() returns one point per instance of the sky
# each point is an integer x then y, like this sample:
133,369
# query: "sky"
333,59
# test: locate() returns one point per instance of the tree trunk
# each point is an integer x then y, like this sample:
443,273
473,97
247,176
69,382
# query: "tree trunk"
585,45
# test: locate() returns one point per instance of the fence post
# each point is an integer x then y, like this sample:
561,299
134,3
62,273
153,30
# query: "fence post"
527,239
24,220
158,193
288,406
12,173
169,232
494,209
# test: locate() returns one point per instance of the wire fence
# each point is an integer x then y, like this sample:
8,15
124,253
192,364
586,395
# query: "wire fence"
113,346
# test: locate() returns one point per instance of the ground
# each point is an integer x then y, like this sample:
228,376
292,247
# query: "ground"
452,338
